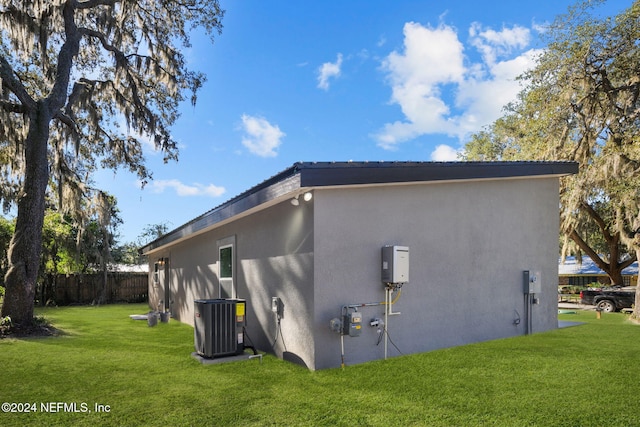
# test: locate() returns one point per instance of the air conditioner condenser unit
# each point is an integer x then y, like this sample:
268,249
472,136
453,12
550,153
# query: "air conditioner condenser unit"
219,327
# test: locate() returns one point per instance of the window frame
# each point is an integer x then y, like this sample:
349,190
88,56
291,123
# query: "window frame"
227,284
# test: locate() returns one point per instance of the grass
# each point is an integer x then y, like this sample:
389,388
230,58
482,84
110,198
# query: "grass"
579,376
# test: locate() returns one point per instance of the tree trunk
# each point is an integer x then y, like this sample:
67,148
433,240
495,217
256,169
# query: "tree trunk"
615,276
613,268
26,245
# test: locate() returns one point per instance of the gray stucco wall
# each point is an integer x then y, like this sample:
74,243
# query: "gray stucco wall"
469,243
274,258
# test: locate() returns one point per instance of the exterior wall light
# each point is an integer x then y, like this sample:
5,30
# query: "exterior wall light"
296,199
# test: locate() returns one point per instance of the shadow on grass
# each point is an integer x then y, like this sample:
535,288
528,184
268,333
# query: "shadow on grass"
40,328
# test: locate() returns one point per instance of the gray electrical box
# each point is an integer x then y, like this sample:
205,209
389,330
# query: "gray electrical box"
395,264
531,282
352,324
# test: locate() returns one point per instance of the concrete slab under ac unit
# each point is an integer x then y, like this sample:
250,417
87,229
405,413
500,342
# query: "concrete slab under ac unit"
225,359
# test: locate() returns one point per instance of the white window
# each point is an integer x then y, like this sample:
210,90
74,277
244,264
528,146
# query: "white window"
226,267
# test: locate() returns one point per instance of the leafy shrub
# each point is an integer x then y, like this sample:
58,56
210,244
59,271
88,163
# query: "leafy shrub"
6,321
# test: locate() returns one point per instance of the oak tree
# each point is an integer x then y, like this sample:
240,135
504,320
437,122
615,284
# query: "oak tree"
71,72
581,102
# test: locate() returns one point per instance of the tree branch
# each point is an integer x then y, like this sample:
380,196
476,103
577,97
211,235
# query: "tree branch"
88,4
68,51
81,87
62,117
21,17
11,107
627,263
10,81
148,58
121,59
587,249
596,217
103,41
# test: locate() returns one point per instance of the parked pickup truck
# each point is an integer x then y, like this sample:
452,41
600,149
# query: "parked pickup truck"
610,299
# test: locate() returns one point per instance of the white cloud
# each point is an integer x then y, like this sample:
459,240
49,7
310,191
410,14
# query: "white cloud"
327,71
181,189
440,92
492,44
445,153
261,137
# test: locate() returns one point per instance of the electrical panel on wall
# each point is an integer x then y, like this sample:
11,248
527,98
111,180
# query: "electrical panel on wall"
531,282
395,264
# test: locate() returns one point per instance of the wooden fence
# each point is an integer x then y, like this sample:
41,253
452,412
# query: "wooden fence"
92,289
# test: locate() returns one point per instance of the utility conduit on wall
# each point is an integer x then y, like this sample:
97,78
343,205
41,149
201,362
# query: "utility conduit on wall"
350,322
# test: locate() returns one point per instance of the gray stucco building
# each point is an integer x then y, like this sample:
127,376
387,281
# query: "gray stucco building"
312,236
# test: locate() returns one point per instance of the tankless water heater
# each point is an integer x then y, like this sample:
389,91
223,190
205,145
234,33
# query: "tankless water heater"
395,264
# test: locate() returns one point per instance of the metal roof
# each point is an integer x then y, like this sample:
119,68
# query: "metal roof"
304,175
353,173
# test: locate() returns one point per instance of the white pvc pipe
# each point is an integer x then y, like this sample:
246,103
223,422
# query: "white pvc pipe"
386,319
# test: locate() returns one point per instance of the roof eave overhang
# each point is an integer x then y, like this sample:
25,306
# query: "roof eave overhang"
241,206
345,174
321,174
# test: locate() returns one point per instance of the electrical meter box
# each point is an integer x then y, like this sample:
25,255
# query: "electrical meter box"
395,264
352,324
531,282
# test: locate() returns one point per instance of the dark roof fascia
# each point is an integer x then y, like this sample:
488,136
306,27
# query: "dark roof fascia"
357,173
324,174
283,183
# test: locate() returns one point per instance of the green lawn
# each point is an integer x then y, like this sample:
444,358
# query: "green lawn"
580,376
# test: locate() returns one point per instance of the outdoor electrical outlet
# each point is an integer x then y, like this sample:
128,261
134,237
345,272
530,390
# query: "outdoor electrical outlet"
375,322
275,305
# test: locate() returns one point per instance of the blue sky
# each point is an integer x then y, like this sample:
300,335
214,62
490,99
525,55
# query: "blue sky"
334,81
